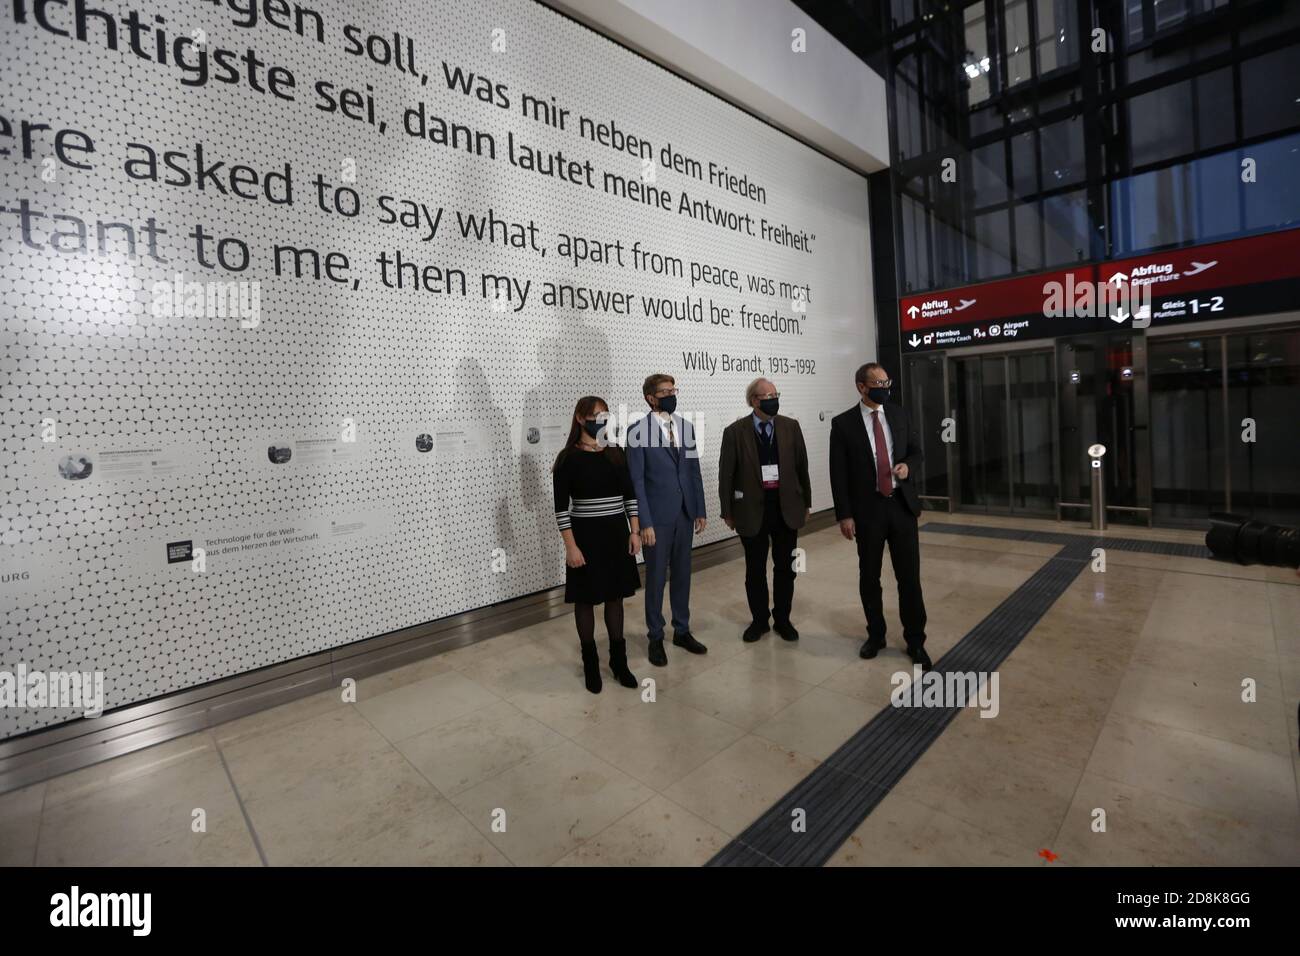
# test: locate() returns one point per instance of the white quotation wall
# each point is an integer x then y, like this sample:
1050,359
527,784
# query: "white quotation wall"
141,422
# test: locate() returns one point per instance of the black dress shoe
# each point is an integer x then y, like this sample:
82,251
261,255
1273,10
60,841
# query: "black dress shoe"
754,632
658,656
870,649
919,656
786,630
689,642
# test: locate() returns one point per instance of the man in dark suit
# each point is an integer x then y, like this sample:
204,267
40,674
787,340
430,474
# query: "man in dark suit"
766,498
874,448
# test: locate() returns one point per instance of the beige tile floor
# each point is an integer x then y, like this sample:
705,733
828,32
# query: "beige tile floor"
1123,705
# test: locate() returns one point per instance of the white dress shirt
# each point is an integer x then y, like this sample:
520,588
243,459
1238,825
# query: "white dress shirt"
867,414
669,441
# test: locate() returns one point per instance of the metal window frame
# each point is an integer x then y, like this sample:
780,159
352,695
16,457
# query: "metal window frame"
1100,101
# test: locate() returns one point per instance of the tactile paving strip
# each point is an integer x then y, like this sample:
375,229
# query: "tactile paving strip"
837,796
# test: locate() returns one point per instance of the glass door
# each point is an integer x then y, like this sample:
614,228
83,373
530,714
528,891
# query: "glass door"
1032,386
1005,453
1225,408
1188,465
1263,382
980,400
926,397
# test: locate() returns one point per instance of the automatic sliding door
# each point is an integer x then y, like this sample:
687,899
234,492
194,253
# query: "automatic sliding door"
927,404
979,398
1263,397
1033,464
996,454
1187,451
1006,445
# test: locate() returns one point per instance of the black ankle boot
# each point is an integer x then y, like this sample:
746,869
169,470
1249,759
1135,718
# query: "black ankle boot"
618,662
591,667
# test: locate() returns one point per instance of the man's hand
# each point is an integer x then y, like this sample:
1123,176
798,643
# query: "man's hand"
848,529
900,471
648,537
700,524
730,523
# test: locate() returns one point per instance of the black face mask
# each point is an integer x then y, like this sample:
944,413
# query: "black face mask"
668,404
768,406
593,428
878,395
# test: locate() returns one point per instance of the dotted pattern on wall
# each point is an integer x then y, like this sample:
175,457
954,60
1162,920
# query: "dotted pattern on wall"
165,425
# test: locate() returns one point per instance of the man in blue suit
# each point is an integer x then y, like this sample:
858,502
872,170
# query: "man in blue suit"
665,465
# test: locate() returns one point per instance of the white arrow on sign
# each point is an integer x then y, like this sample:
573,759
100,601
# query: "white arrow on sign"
912,311
1121,316
914,341
1119,277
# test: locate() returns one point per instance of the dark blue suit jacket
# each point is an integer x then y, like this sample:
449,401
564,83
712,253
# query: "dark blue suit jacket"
663,486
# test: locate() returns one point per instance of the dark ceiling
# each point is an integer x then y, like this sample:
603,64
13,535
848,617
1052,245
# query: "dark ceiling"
859,24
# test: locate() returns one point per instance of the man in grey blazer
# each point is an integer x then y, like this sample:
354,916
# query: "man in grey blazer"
766,497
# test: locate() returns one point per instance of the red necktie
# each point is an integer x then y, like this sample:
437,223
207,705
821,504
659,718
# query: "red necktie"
884,481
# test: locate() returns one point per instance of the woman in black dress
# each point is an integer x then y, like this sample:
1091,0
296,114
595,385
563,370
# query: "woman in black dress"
595,508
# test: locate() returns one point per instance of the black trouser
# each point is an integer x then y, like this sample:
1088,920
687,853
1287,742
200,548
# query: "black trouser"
782,540
888,520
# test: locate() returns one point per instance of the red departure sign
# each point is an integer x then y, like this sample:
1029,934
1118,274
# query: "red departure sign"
1249,276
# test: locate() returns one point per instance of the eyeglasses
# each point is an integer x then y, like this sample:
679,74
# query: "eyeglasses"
664,393
768,395
880,384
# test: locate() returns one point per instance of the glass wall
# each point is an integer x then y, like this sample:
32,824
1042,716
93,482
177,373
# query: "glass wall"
1081,130
1187,447
926,395
1263,381
1223,438
1005,453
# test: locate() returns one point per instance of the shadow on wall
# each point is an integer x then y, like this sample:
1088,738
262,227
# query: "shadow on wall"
492,483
